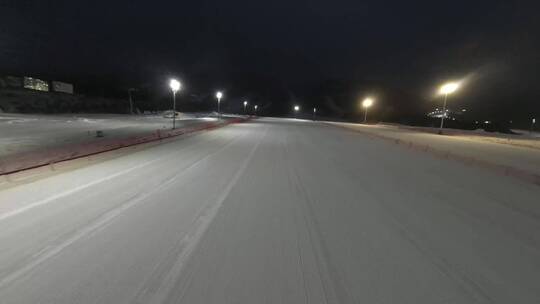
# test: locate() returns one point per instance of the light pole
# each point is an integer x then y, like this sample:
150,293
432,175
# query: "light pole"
130,100
245,105
314,113
368,102
532,125
446,89
175,87
218,96
255,107
296,109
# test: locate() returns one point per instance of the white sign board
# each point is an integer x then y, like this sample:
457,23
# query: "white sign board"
62,87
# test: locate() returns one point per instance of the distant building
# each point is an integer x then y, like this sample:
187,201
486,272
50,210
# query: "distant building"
11,82
448,114
36,84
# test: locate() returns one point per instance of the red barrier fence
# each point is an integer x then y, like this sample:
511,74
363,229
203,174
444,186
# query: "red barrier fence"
20,162
506,170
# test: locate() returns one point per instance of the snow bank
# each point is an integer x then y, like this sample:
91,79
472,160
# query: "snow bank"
24,161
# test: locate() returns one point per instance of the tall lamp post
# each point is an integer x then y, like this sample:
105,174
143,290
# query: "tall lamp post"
130,100
446,89
219,95
245,105
296,109
368,102
175,87
255,107
314,113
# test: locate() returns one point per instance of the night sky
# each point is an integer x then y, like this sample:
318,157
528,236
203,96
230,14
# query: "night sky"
327,54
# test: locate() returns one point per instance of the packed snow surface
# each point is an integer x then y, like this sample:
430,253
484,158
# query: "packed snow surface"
272,211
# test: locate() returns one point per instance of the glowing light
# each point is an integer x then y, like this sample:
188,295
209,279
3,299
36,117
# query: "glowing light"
296,108
449,88
219,95
314,110
175,85
256,106
368,102
245,103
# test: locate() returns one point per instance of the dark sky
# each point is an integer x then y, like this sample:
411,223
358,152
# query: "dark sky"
303,49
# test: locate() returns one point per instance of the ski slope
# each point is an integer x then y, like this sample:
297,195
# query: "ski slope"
272,211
